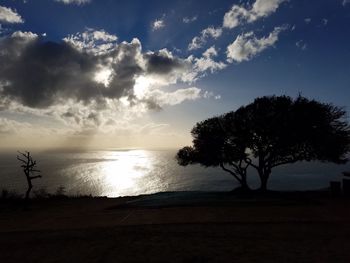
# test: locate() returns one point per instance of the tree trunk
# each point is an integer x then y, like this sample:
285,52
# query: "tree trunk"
30,186
263,185
28,192
244,183
264,177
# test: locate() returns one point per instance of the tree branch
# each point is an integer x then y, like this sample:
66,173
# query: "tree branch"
18,158
284,162
34,177
249,162
246,167
25,155
232,173
234,166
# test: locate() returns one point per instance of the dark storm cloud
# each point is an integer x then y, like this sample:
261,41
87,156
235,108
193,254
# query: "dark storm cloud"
44,72
153,105
162,62
125,69
39,74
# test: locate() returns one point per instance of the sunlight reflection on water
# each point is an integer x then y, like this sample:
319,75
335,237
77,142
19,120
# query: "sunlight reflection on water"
135,172
111,173
115,173
120,174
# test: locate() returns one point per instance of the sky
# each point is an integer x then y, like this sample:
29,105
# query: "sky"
140,74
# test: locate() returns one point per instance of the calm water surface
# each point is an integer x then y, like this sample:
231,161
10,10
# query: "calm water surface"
132,172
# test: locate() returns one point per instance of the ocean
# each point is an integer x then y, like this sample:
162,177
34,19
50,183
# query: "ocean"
115,173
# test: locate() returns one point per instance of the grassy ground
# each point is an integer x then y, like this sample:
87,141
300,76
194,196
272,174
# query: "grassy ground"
213,228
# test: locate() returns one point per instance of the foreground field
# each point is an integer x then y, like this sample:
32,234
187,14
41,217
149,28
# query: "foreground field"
170,227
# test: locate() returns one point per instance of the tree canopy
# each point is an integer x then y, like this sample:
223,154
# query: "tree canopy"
214,145
269,132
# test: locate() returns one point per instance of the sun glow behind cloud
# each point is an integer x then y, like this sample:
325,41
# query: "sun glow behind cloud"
96,86
104,76
96,83
142,85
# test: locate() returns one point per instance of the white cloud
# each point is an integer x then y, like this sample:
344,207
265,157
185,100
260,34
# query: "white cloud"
263,8
239,14
212,32
210,52
176,97
188,20
307,20
103,35
198,67
28,36
301,44
158,24
210,94
77,2
236,16
10,127
94,41
345,2
247,45
199,41
8,15
325,21
206,62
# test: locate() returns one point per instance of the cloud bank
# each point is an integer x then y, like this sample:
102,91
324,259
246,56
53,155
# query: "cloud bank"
93,81
90,77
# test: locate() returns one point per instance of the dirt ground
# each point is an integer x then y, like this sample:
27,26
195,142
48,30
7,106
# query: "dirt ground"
313,229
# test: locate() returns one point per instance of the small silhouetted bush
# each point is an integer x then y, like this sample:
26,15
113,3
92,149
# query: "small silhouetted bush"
60,191
41,193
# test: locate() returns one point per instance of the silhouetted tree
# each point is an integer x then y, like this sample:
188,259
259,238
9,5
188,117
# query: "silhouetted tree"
273,131
29,170
280,130
214,146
